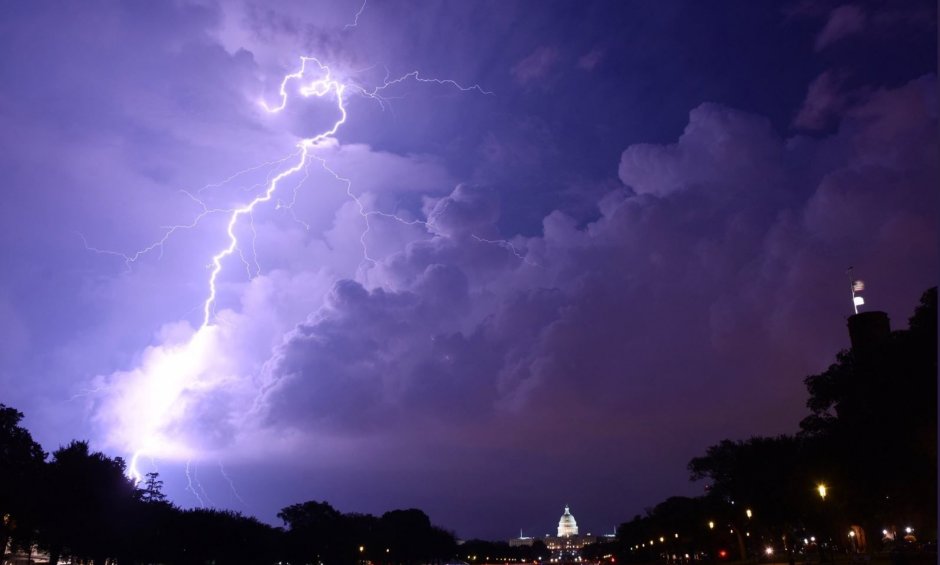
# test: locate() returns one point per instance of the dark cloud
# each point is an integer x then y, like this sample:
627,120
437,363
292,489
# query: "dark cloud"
825,100
843,21
536,66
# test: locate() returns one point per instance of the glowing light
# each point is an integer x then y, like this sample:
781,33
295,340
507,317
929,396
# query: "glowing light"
852,534
823,490
749,513
768,551
711,525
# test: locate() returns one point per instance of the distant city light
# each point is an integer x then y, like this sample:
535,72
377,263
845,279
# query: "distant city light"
909,530
749,513
711,525
852,534
768,550
822,489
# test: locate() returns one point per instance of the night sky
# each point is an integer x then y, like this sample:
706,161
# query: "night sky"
626,243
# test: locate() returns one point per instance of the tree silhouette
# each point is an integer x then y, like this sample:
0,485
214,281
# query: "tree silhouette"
88,499
21,461
153,488
874,424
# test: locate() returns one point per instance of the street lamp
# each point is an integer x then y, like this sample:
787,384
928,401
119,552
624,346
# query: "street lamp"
822,489
711,525
749,513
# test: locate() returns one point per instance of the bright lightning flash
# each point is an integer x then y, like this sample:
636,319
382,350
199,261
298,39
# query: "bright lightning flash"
150,408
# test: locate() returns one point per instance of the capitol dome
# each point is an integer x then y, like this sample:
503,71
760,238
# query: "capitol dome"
567,525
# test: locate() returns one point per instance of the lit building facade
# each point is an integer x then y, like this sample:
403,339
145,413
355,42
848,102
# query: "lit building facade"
567,545
567,525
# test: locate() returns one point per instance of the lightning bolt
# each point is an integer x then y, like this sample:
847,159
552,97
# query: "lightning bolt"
313,79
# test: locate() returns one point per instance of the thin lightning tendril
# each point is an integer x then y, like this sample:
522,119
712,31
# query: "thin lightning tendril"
506,244
191,488
356,17
231,484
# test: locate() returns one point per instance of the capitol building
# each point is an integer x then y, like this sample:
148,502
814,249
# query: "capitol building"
568,543
567,525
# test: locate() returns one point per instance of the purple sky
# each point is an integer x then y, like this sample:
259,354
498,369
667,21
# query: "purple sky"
633,248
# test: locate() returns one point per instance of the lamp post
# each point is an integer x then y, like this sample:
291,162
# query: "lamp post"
823,491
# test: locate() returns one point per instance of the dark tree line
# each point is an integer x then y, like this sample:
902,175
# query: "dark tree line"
319,533
870,439
80,505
